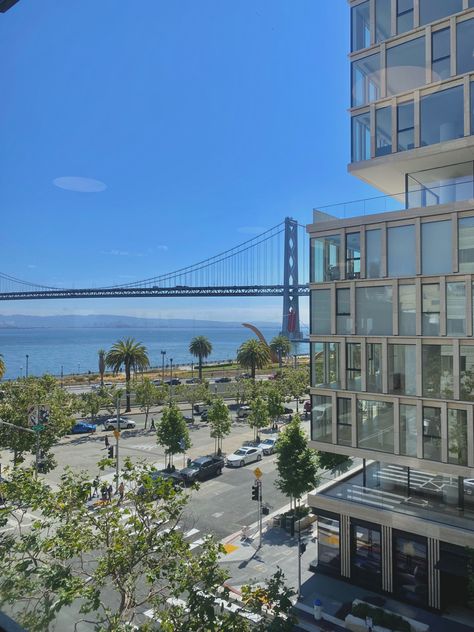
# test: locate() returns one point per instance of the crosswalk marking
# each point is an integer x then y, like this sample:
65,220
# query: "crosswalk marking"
190,533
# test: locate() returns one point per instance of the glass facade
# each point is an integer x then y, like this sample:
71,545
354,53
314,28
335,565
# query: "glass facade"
406,310
326,364
374,311
321,418
405,15
402,369
431,433
406,126
366,554
457,436
353,366
344,421
410,568
375,425
465,47
466,244
360,22
438,371
325,258
451,183
373,253
360,137
353,255
321,311
343,311
374,367
406,66
442,116
440,55
329,555
436,257
431,308
401,251
383,18
431,10
408,430
366,80
383,131
466,372
456,309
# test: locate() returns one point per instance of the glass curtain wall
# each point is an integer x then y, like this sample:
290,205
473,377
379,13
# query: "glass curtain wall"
457,436
466,372
373,253
406,126
329,555
405,14
325,258
366,80
383,29
321,311
360,18
326,364
466,244
402,369
383,131
374,367
366,558
406,66
438,371
406,310
408,430
431,10
465,47
440,55
442,116
401,251
375,425
353,366
360,137
353,256
440,186
410,568
343,311
430,309
344,421
374,311
431,433
321,418
456,309
436,247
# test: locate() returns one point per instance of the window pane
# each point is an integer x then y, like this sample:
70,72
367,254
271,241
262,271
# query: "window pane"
406,126
325,257
456,309
325,364
438,371
373,253
374,311
431,10
442,116
383,20
361,137
321,311
465,47
472,107
321,418
410,563
431,433
408,431
407,310
328,544
466,371
353,367
402,369
401,251
353,256
344,421
360,26
431,309
451,183
366,560
406,66
383,131
375,425
366,80
457,436
374,367
404,15
343,311
466,244
436,247
441,58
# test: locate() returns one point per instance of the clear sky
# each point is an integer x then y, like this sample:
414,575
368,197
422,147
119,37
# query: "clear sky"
141,136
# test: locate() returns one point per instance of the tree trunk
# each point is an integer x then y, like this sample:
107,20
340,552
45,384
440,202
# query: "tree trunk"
200,368
253,371
127,387
146,417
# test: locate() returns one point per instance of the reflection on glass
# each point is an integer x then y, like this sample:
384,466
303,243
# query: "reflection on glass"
466,244
431,433
343,311
436,247
360,137
321,311
383,28
401,255
328,544
366,80
325,257
406,66
456,309
374,367
326,364
367,556
411,569
383,131
408,430
353,255
438,371
375,425
374,310
353,366
430,309
406,126
457,436
466,372
452,183
407,310
431,10
360,24
321,418
465,47
404,15
402,369
442,116
441,57
344,421
373,253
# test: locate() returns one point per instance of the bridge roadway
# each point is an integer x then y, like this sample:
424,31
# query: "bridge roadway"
176,291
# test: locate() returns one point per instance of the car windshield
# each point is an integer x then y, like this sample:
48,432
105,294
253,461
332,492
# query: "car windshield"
194,464
267,441
240,452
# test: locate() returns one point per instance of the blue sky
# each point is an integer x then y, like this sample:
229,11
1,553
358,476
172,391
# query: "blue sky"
138,137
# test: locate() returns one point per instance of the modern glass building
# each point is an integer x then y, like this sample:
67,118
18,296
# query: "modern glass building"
392,312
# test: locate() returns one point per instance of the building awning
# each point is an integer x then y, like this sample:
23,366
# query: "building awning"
453,564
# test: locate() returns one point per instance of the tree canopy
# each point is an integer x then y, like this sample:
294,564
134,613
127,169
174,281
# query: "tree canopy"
172,432
281,347
200,347
132,356
219,421
253,354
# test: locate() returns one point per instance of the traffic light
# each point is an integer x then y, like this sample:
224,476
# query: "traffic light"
255,491
111,451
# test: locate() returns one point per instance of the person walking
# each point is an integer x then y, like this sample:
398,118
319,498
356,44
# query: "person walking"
110,489
103,491
152,425
95,486
106,441
121,491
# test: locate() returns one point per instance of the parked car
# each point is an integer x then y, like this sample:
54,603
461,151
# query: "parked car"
193,380
222,380
268,445
244,455
201,468
244,411
288,411
204,415
83,427
173,382
124,422
157,382
199,408
469,486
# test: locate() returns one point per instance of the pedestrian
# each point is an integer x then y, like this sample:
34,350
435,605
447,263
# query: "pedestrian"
103,491
110,489
121,491
95,485
106,441
152,425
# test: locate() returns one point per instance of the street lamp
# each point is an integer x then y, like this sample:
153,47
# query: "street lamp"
163,353
171,380
26,370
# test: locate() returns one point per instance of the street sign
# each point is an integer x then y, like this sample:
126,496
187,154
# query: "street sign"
38,415
117,434
258,472
37,427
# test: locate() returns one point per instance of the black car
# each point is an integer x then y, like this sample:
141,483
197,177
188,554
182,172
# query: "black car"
204,415
202,468
222,380
173,382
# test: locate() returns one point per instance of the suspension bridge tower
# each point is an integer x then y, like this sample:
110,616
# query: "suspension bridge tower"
291,310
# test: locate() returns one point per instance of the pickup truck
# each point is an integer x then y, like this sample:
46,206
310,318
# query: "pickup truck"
202,468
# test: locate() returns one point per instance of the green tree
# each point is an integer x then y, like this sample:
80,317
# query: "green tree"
253,354
281,347
275,404
89,561
219,421
258,417
2,366
172,433
331,461
194,393
92,402
200,347
296,462
295,384
147,395
102,353
131,355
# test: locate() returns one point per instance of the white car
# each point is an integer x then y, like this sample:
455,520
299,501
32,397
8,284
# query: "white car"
124,422
268,445
244,455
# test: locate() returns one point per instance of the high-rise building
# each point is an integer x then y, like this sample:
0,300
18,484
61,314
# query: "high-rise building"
392,325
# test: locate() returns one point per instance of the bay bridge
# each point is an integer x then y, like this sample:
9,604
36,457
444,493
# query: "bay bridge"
266,265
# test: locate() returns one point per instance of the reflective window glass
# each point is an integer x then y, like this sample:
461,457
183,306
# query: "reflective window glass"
353,366
466,372
457,436
366,559
375,425
353,255
404,15
360,23
442,116
329,555
325,258
343,311
361,137
374,367
402,369
466,244
374,311
442,185
321,311
326,364
430,309
401,255
410,569
344,421
440,55
383,131
321,418
383,20
431,10
456,309
431,433
406,126
366,80
373,253
465,47
408,431
407,310
472,107
406,66
438,371
436,247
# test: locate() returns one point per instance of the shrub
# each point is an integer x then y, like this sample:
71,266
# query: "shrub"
381,617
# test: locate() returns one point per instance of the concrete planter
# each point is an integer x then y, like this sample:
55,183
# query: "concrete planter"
358,625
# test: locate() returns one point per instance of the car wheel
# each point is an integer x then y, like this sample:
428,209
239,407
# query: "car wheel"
129,426
259,457
242,463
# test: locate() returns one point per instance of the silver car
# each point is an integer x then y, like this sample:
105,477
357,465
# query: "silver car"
124,422
244,455
268,445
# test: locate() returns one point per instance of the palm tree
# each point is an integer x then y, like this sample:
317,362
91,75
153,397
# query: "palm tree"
200,347
281,346
102,354
3,368
252,355
131,355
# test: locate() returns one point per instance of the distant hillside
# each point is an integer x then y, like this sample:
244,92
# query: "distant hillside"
21,321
